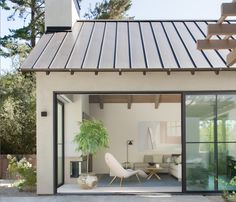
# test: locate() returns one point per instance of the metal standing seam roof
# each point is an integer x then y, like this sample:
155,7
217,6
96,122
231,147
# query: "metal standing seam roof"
126,46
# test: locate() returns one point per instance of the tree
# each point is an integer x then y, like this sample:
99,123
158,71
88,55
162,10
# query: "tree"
20,41
110,9
17,113
17,91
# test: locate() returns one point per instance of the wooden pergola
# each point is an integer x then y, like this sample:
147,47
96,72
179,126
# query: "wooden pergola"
222,28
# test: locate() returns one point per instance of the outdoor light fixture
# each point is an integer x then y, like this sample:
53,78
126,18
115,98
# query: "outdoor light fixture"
127,163
44,114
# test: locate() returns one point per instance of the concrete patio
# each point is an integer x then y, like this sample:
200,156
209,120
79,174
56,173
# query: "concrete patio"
115,198
11,194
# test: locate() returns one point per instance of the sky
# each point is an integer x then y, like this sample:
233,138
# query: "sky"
142,9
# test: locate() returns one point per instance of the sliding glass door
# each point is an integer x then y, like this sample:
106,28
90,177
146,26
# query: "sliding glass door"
226,144
210,140
60,143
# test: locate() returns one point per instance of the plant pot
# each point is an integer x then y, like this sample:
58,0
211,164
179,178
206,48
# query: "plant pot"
87,181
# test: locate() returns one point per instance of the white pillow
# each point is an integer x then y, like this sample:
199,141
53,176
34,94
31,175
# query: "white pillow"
178,160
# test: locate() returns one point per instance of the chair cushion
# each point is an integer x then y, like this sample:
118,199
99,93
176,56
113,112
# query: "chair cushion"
157,158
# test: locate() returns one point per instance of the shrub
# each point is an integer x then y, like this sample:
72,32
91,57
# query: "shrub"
25,173
228,195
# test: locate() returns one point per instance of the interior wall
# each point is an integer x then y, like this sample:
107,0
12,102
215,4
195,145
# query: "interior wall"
73,116
123,124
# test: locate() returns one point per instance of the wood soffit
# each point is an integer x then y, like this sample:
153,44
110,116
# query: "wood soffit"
131,99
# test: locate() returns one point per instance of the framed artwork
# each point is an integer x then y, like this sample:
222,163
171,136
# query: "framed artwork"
153,134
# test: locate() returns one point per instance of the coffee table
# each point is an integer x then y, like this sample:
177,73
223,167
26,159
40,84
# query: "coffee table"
153,171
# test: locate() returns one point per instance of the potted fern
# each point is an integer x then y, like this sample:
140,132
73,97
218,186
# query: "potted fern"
92,137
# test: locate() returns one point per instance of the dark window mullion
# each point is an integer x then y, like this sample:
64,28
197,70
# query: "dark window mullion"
216,144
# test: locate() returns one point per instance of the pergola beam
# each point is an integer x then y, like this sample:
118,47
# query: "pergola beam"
216,44
228,9
221,29
222,18
231,57
227,30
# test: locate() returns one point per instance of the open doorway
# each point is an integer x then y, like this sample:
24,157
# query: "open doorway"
144,133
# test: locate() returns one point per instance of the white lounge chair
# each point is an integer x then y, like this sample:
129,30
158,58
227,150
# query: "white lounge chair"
119,171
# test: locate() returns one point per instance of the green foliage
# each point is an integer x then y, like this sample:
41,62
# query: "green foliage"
24,170
20,41
110,9
17,113
92,136
228,195
3,5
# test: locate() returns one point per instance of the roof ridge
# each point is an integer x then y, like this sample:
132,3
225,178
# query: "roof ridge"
150,20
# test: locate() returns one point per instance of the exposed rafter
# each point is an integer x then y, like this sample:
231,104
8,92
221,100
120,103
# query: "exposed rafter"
101,102
129,101
157,101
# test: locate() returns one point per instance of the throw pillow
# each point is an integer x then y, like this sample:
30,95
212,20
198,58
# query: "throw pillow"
166,158
178,160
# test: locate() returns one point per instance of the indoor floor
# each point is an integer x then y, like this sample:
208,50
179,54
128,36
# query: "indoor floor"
130,185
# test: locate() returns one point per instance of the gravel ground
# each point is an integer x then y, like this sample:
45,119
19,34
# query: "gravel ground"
7,190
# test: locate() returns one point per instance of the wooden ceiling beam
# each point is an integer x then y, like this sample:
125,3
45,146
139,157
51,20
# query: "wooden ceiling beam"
216,44
221,29
231,57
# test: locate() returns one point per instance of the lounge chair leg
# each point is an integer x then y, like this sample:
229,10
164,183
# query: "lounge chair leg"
138,178
121,180
112,180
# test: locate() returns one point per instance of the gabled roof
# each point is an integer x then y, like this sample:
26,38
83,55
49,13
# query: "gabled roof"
126,46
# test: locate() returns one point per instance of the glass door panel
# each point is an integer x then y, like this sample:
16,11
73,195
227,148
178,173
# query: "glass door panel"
200,118
200,147
200,167
60,144
226,138
210,141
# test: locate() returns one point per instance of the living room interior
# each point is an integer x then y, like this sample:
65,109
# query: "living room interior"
144,134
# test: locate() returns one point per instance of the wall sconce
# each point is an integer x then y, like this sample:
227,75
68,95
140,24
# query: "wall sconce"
44,114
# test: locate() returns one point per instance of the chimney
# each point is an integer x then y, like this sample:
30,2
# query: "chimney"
61,14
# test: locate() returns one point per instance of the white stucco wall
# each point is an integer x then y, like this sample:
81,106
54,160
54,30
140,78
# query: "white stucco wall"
60,13
73,115
108,82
